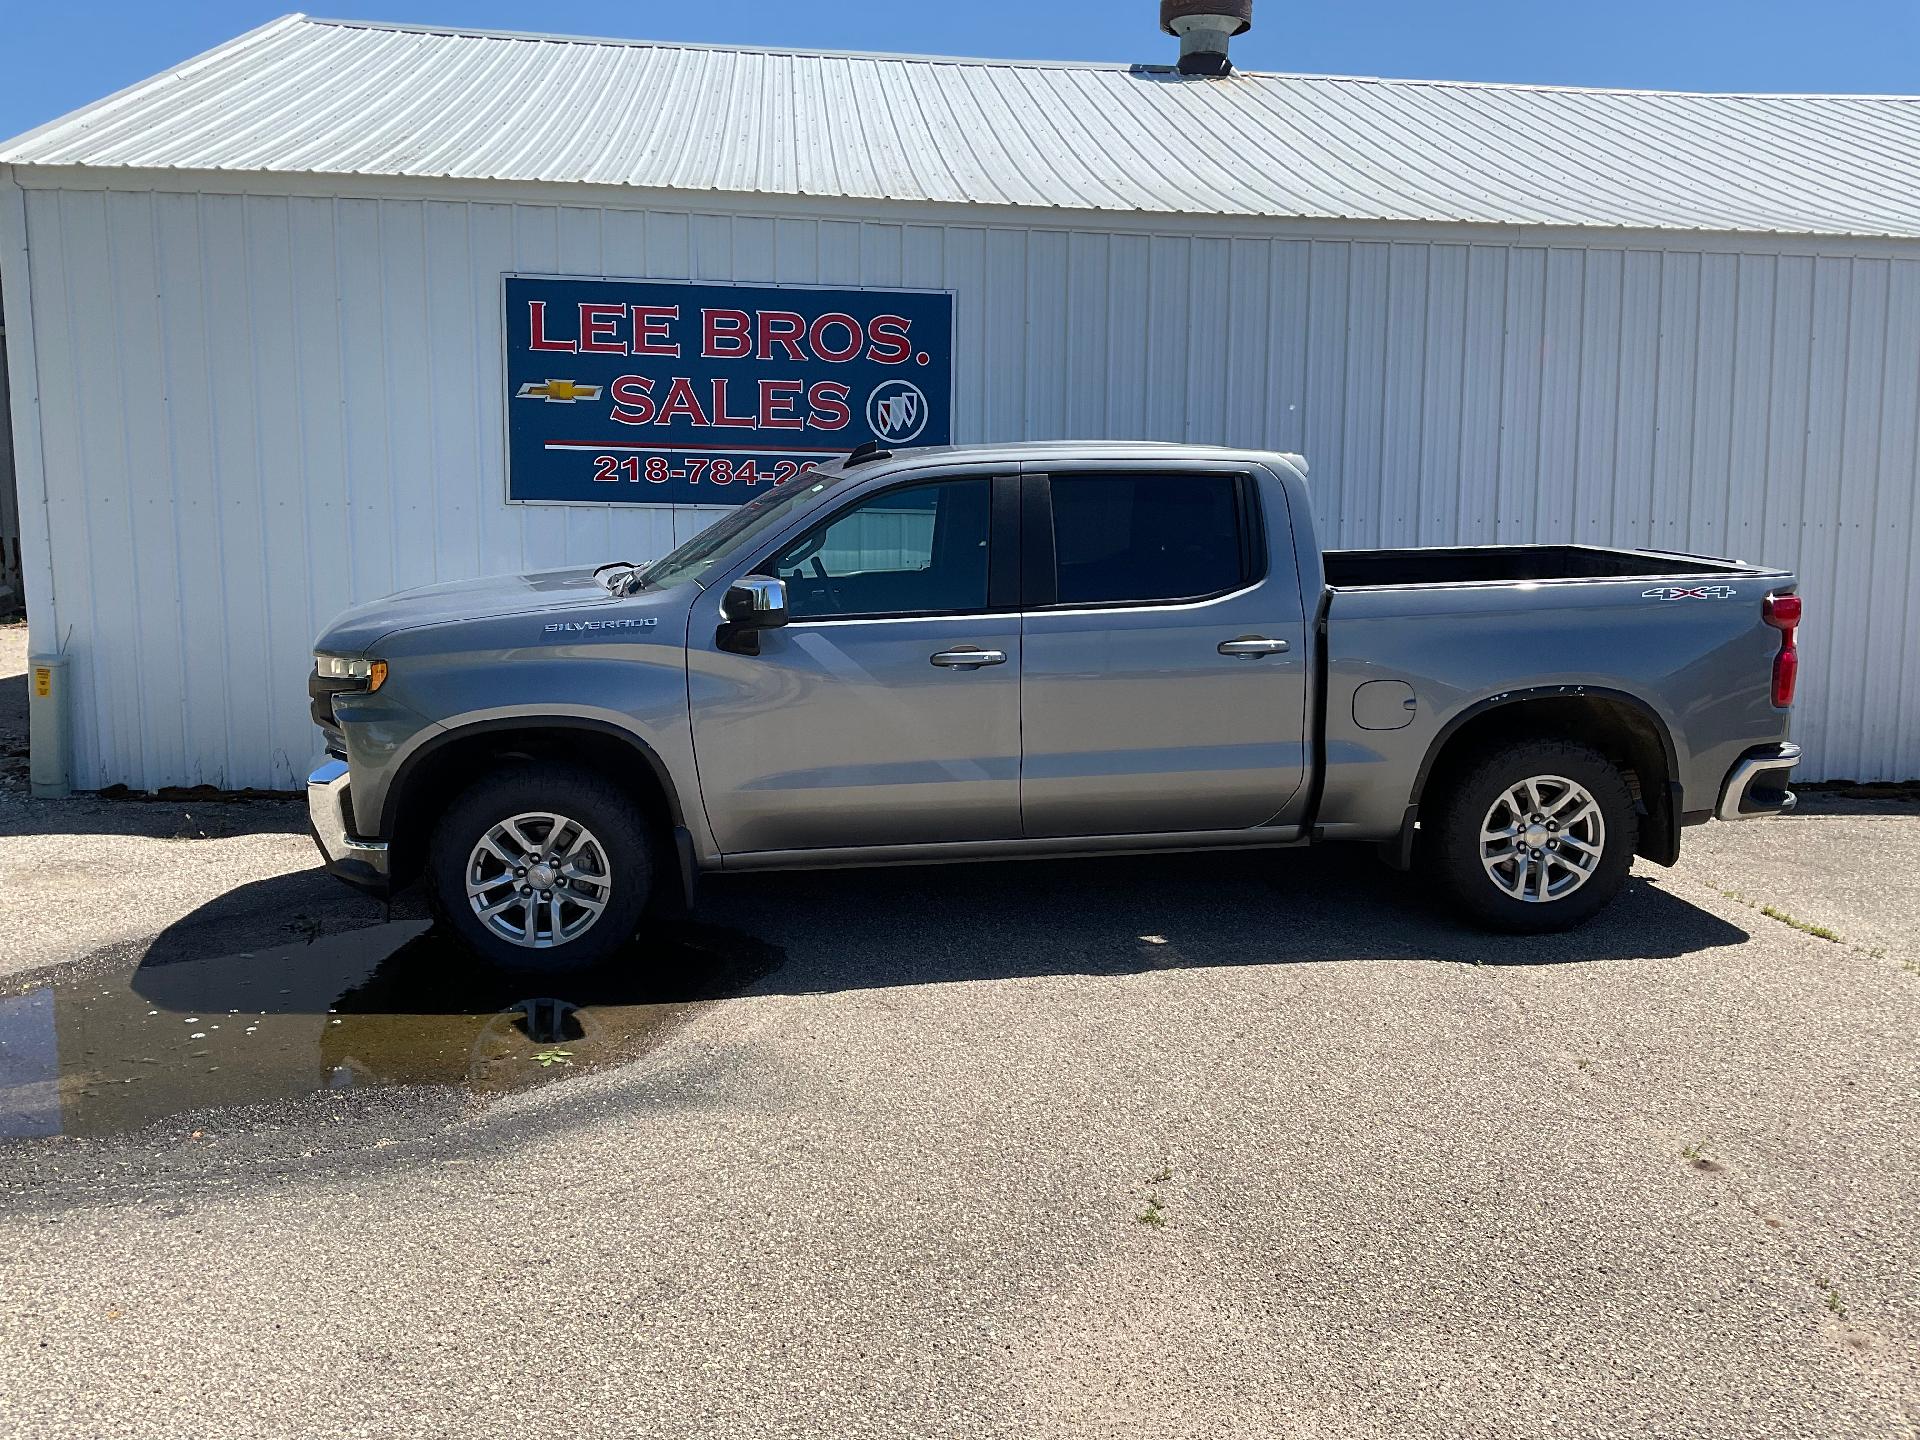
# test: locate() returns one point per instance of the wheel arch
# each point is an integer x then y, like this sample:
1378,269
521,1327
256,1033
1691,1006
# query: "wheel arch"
1624,727
443,766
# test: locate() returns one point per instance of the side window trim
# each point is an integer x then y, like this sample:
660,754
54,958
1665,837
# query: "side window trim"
1002,547
1040,576
1253,531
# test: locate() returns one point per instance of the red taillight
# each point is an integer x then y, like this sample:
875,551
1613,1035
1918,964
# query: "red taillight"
1783,613
1786,670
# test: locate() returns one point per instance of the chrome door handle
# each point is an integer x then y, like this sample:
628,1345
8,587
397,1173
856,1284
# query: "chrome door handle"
1252,647
969,659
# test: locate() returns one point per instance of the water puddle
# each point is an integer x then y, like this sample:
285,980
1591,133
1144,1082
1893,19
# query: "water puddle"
393,1005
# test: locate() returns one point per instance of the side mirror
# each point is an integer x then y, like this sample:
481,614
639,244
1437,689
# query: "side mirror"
752,604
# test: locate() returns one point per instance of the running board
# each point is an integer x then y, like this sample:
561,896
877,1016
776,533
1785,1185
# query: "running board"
1266,837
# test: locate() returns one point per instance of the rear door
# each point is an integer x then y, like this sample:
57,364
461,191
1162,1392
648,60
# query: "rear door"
1164,684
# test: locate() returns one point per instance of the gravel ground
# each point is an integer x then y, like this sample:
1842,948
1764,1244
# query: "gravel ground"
128,862
1855,870
1207,1146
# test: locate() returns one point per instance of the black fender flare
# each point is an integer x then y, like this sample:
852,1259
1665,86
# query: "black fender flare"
1662,845
410,769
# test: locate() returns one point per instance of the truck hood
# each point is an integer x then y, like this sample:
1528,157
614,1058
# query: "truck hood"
357,630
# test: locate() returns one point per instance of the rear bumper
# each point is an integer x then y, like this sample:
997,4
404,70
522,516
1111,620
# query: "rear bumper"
329,818
1757,784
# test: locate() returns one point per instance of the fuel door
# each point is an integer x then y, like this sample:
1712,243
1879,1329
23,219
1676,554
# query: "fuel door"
1384,705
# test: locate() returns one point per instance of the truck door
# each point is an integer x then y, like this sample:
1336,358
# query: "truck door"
1164,683
887,711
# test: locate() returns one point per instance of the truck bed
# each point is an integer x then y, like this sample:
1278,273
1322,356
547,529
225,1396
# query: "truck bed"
1470,564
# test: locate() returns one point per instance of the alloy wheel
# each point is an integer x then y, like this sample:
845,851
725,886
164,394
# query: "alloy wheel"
1542,839
539,880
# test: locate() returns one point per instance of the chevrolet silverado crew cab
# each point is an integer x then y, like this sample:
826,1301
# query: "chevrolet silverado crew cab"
1043,649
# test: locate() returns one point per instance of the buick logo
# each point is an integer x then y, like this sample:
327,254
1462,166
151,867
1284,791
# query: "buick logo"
897,410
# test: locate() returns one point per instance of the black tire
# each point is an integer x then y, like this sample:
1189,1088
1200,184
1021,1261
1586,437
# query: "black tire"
616,827
1451,840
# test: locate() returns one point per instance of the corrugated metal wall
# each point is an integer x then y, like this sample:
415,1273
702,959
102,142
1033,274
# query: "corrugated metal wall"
258,409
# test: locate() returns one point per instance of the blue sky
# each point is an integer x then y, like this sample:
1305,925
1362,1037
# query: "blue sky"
56,58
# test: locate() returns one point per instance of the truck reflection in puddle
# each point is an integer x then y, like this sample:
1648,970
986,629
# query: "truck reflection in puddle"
393,1005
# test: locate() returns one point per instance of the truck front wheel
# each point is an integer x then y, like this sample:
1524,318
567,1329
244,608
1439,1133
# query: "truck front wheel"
1536,835
541,867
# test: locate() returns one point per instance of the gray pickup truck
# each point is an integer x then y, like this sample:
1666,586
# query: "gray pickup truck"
1045,649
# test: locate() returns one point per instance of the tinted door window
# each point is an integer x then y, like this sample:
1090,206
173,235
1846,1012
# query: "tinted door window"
919,550
1144,539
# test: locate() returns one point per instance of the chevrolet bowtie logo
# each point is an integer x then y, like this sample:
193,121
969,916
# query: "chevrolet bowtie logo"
558,392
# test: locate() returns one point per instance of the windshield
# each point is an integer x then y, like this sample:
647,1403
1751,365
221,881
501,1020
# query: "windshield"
692,560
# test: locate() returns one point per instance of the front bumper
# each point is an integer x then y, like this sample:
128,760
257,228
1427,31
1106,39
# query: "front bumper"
329,816
1757,784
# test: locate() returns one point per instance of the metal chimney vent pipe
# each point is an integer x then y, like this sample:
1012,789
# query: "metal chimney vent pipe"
1205,27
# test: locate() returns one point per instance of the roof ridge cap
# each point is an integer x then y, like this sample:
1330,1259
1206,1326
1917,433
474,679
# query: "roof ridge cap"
910,57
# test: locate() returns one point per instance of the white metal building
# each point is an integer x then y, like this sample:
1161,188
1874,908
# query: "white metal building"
253,318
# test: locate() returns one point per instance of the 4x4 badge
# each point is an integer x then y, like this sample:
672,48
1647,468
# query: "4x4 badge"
1689,592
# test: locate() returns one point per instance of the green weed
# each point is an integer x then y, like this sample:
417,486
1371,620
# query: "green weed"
1806,927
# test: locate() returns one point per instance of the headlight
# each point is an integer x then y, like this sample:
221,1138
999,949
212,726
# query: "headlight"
370,673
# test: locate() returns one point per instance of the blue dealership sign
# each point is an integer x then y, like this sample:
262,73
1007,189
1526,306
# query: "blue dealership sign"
654,392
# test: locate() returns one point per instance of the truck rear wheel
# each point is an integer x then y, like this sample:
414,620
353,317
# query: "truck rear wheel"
541,867
1535,836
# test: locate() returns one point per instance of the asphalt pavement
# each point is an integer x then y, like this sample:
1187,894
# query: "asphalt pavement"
81,873
1193,1146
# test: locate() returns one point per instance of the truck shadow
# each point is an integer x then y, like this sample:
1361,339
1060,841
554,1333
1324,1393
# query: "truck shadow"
856,929
296,985
1112,916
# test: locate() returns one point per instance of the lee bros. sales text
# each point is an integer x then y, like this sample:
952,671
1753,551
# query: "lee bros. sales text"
725,334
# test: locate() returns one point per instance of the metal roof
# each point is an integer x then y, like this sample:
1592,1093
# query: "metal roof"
302,95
